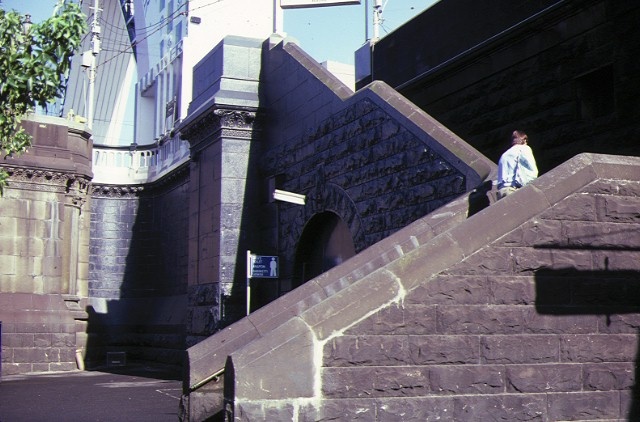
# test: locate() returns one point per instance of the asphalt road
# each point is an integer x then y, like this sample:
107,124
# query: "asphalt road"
126,395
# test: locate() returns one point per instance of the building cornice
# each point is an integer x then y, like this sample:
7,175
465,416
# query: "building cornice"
173,177
46,180
219,122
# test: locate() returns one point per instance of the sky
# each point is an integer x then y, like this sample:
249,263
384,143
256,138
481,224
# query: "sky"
336,32
327,33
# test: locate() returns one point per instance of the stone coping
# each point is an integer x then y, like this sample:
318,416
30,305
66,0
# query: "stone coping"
73,125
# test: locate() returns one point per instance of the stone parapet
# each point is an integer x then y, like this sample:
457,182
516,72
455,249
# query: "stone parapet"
136,165
59,145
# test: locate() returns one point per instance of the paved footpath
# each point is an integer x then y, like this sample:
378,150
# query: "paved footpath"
141,394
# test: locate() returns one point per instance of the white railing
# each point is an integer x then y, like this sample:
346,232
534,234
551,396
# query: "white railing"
137,164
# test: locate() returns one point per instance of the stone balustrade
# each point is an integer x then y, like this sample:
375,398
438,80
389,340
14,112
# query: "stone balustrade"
137,164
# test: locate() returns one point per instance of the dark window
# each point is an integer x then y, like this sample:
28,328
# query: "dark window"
595,93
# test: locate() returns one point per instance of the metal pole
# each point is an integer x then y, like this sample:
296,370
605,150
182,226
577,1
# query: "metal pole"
366,20
95,48
278,24
248,282
275,14
377,19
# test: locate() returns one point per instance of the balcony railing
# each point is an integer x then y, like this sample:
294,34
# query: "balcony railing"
133,165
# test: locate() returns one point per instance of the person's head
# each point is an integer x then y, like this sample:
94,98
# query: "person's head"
518,137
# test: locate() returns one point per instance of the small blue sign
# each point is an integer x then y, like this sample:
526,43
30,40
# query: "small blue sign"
263,266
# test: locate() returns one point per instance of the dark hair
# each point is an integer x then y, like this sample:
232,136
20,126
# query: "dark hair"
518,137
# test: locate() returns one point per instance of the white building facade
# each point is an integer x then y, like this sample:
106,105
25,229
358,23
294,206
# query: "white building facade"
147,51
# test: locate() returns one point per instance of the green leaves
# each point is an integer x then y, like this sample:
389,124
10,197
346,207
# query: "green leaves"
33,66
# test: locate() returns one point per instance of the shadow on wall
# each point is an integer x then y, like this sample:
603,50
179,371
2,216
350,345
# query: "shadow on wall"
481,197
597,327
137,282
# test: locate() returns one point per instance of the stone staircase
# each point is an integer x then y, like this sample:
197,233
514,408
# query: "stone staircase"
527,310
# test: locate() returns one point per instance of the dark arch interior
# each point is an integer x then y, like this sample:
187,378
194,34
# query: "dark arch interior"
325,242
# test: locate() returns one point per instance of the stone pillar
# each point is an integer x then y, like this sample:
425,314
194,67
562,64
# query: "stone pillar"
220,193
221,130
44,248
76,232
76,196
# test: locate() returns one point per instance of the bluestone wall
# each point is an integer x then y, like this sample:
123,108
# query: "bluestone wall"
372,158
137,273
565,72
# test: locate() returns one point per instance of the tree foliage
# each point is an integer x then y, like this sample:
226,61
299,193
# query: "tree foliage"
33,68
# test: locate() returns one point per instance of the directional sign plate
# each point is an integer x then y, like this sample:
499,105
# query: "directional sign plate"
264,266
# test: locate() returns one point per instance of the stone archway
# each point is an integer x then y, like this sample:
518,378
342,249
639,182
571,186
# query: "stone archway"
325,242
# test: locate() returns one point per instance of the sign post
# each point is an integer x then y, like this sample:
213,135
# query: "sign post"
248,281
260,266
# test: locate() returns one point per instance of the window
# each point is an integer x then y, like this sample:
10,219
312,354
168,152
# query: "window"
595,94
178,36
171,17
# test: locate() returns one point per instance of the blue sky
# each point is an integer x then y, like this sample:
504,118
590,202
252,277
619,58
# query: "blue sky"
335,33
39,9
326,33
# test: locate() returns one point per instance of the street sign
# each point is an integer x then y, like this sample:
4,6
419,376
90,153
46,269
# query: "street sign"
263,266
260,266
290,4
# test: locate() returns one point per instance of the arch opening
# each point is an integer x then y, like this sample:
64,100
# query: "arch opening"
325,242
